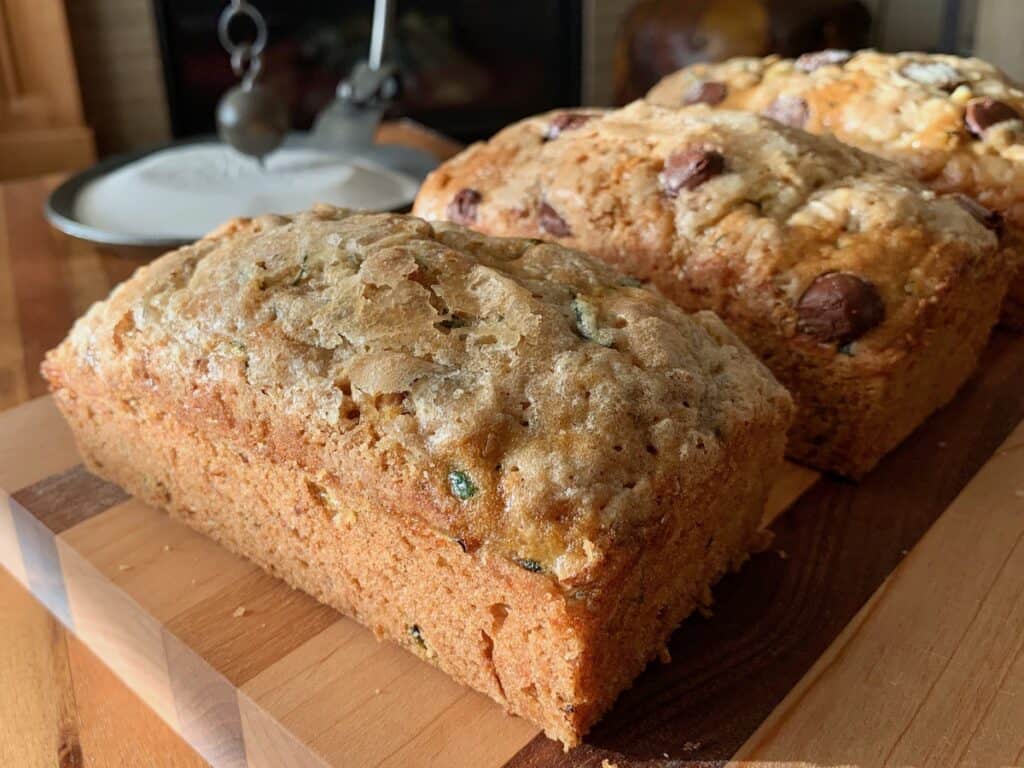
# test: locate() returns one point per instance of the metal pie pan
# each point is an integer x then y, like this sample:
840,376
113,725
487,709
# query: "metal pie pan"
61,204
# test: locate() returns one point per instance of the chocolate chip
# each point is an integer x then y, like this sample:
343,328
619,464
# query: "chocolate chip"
937,74
552,223
829,57
565,121
991,219
982,114
788,110
462,208
689,169
708,92
839,307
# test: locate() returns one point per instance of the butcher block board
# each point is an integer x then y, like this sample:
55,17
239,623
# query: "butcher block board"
884,626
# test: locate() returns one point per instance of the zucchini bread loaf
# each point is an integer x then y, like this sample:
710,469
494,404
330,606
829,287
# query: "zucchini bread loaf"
497,453
867,296
955,123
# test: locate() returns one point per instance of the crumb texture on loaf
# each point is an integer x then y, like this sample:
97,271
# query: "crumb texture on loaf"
509,393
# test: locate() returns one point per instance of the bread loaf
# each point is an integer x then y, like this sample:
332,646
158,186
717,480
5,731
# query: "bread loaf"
955,123
498,453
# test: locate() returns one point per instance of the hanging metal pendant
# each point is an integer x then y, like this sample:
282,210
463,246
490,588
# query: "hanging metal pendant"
251,118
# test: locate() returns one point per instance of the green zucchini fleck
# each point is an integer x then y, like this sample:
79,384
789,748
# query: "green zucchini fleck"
417,635
531,565
630,282
847,349
585,315
302,270
460,485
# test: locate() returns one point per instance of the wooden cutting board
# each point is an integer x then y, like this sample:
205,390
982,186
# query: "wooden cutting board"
866,635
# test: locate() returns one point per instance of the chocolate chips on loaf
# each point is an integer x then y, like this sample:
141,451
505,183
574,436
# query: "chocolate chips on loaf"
934,73
991,219
709,92
463,207
689,169
566,121
839,307
982,114
551,222
829,57
789,110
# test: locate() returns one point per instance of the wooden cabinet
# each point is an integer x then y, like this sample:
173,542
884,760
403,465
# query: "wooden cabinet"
41,123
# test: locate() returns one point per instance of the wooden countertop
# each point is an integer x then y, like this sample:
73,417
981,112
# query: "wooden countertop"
59,705
889,630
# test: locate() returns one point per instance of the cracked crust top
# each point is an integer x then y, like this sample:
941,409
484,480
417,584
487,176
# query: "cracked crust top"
515,394
728,211
956,123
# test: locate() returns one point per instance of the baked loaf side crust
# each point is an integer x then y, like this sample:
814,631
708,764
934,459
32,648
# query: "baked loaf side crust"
329,394
931,113
736,213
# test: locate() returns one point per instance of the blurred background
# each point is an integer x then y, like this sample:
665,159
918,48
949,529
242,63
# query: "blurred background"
81,79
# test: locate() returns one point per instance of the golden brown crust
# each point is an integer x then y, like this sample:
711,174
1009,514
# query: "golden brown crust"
745,228
392,353
911,108
293,387
907,107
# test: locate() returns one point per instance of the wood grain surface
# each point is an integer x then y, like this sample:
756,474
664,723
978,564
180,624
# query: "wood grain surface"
37,707
941,638
41,126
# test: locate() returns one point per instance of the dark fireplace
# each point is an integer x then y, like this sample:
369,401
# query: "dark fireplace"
467,68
